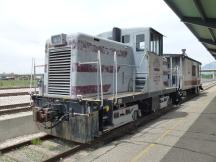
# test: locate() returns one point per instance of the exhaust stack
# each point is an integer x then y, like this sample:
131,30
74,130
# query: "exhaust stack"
116,34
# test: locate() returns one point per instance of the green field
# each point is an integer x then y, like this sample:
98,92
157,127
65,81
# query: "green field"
14,83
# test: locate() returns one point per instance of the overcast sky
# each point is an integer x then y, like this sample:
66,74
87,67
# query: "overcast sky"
26,24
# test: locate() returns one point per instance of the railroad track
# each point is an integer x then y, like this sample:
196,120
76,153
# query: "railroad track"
9,95
14,88
62,148
15,108
54,147
13,94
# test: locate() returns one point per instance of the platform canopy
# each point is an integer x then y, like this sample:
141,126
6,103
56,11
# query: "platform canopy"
200,17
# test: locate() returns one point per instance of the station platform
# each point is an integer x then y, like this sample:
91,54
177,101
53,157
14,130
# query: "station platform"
15,125
184,135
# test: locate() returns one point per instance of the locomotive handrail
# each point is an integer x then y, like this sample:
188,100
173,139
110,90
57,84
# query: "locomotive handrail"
98,62
92,62
101,80
116,75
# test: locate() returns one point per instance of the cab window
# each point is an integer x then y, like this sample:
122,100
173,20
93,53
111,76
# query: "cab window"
140,42
155,43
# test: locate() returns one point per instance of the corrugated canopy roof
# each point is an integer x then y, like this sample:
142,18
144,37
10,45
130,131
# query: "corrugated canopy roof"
200,17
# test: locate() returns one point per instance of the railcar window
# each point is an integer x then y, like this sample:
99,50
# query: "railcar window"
140,42
125,38
198,71
193,70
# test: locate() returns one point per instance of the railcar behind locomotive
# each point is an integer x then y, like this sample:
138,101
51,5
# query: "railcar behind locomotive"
188,78
93,84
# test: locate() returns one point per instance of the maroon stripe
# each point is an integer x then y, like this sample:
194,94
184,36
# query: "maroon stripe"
88,89
93,68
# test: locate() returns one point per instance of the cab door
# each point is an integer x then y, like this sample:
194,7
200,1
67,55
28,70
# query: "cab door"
141,59
140,49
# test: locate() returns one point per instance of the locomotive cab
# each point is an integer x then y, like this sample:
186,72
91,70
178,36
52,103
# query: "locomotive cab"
140,39
147,45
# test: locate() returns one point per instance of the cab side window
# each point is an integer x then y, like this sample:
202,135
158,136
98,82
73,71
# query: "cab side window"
155,43
140,42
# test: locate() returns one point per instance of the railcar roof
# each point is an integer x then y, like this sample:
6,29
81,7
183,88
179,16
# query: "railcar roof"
180,55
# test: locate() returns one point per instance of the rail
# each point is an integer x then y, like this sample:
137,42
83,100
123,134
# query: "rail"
21,144
14,106
15,110
13,94
75,147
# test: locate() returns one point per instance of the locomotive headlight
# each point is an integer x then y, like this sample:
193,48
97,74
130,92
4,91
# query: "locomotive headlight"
106,108
57,40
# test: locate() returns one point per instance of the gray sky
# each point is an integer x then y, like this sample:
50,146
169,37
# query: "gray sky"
26,24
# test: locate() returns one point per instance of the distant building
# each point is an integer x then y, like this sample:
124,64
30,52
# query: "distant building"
5,76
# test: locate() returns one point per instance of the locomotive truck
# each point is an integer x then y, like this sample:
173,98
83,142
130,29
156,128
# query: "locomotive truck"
93,84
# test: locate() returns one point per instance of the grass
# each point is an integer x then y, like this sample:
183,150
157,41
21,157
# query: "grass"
36,141
14,83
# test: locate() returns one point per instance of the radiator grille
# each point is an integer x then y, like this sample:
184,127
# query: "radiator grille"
59,71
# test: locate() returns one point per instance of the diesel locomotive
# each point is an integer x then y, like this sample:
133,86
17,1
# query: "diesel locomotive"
93,84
